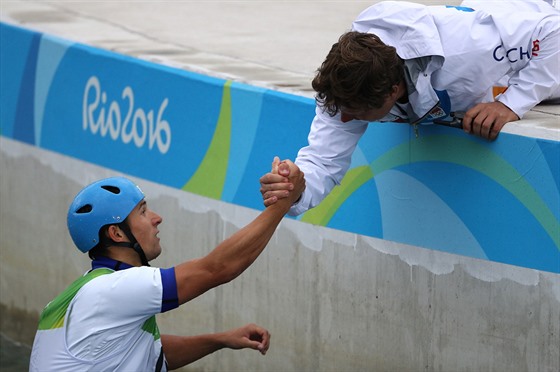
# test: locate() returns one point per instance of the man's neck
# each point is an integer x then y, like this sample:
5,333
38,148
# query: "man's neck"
125,255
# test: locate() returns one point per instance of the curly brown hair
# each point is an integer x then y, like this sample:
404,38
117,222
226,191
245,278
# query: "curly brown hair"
358,73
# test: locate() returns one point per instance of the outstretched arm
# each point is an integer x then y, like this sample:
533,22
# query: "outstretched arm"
324,161
235,254
180,351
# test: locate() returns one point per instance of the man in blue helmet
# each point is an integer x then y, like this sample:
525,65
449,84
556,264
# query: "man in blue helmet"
105,320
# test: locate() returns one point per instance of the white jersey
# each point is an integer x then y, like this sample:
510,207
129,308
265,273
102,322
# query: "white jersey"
105,321
459,52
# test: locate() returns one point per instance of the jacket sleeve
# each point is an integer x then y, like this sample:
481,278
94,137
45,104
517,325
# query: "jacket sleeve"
536,38
539,79
327,157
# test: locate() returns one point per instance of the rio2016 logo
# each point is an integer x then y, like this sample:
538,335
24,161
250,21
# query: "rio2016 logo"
137,125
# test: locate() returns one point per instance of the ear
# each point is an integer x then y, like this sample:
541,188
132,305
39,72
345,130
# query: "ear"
116,234
395,91
399,91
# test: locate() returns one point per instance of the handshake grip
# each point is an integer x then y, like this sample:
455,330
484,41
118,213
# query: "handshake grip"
285,181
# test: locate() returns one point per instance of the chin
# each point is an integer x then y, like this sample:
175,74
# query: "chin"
154,254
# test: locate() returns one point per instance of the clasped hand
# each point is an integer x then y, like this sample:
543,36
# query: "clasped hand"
285,180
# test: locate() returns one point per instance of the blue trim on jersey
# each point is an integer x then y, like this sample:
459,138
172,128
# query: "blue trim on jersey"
170,298
109,263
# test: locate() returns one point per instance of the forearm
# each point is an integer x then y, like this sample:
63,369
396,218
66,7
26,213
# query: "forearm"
319,182
241,249
327,158
180,351
229,259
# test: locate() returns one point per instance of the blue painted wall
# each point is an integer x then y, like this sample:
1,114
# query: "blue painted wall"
444,190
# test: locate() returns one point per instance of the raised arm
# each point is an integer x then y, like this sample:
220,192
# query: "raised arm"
235,254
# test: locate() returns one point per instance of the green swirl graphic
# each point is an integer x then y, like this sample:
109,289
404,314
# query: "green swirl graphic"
354,179
209,178
441,148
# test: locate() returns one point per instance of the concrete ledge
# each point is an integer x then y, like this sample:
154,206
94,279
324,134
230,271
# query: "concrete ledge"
258,49
541,122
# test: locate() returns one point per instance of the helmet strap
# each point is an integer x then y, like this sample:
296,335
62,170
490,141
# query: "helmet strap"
141,253
133,243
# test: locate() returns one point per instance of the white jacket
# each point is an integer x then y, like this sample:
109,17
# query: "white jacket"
511,42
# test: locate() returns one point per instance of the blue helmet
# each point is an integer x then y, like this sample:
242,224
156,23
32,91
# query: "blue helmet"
105,202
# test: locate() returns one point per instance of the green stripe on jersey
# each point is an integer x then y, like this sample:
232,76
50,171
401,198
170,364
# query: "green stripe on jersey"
150,326
53,314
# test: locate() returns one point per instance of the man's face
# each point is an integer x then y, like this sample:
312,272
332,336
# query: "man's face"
368,114
143,223
374,114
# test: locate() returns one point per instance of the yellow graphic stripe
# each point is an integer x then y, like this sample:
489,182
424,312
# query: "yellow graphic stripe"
442,148
354,179
209,178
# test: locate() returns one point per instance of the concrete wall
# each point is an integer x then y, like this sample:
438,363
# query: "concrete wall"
333,301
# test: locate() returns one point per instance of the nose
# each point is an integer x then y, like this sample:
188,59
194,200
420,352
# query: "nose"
157,219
